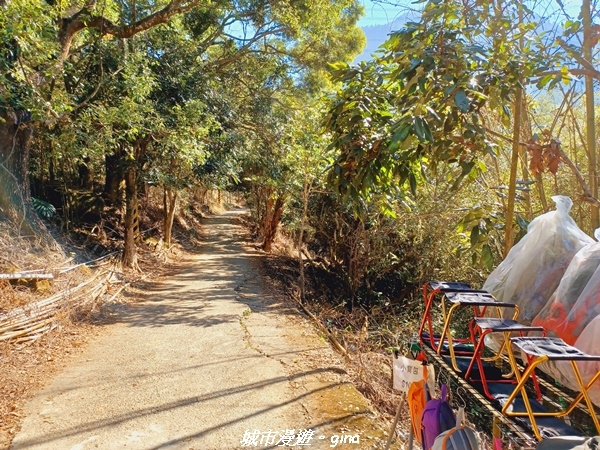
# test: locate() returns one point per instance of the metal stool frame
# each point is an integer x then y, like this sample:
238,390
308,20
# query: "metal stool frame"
479,301
428,297
480,328
538,358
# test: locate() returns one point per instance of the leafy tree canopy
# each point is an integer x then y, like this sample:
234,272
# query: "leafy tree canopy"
428,97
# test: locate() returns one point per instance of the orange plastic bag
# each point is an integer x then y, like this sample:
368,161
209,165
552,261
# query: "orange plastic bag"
418,394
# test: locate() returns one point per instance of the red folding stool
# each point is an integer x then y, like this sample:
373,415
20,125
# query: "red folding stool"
430,290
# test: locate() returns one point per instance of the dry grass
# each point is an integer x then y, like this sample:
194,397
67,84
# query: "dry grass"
18,254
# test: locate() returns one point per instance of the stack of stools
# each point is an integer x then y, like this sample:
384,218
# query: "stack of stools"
515,402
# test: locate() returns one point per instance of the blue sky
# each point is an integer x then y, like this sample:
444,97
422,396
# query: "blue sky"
377,13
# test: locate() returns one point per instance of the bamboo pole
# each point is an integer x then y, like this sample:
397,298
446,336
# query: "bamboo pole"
51,314
590,110
25,276
52,299
28,310
514,161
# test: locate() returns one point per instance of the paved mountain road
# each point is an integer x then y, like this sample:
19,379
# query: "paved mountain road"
204,360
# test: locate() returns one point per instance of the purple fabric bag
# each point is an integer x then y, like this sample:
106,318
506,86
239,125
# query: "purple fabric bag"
437,417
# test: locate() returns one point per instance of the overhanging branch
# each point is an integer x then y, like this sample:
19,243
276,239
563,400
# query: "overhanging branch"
85,18
590,69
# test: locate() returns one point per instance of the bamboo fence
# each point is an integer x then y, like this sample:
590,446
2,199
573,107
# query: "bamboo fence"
31,321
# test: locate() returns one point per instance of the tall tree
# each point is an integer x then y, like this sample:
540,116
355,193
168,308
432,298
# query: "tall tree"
47,48
422,102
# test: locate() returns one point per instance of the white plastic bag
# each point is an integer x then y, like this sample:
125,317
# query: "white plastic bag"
533,268
576,300
588,342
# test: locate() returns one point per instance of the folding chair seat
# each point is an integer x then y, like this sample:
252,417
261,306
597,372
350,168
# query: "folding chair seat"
430,290
539,350
480,327
479,301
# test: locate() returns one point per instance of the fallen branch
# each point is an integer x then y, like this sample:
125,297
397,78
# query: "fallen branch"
117,293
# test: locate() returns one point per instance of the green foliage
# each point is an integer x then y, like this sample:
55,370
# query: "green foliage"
378,260
417,104
42,208
424,99
27,29
199,83
433,109
481,236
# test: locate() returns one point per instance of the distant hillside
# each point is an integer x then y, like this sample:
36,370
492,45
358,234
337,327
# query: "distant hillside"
377,35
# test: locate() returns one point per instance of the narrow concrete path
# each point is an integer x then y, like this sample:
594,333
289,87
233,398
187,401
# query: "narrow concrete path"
205,360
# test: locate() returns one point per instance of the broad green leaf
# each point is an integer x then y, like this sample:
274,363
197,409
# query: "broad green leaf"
542,82
412,180
571,27
419,128
487,258
462,101
401,133
44,209
474,235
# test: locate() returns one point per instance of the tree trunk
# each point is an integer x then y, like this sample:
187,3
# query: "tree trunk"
274,209
85,174
169,204
306,188
16,132
114,177
510,210
15,141
514,162
129,253
258,206
132,231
